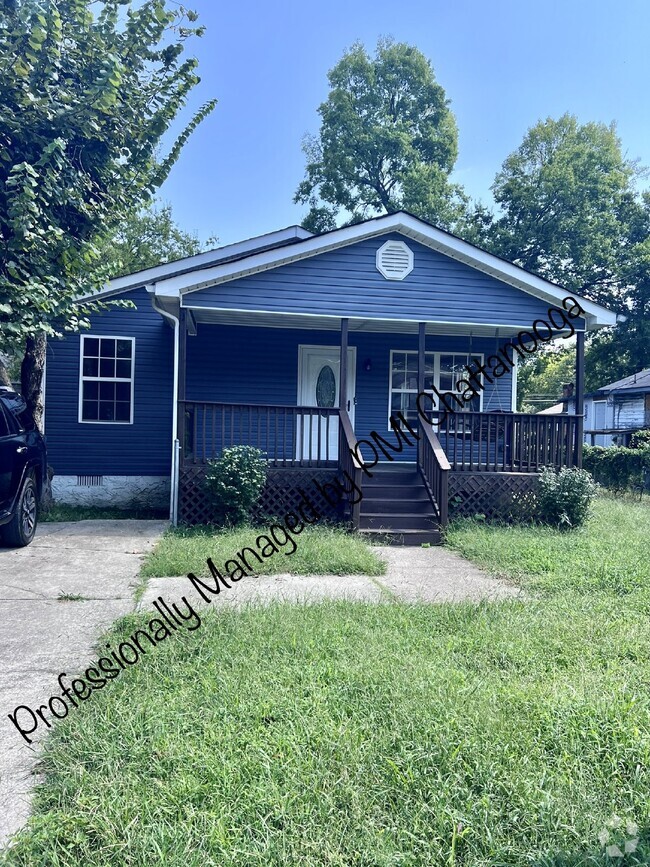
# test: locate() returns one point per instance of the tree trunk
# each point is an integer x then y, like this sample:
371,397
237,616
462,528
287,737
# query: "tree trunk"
4,373
31,377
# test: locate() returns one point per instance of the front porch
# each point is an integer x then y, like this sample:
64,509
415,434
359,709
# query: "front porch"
475,460
474,455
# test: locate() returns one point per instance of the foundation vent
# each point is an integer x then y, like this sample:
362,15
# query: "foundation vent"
90,481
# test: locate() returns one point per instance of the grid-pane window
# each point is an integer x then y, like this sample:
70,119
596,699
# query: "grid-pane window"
404,382
107,379
453,368
442,370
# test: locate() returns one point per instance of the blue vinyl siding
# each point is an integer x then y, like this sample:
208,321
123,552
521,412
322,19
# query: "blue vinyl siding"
142,448
260,365
345,282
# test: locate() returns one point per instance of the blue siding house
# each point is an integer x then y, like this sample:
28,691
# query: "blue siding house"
306,346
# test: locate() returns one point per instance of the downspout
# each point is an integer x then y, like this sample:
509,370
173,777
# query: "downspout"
176,447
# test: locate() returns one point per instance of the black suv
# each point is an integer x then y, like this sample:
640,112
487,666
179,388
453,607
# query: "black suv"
23,471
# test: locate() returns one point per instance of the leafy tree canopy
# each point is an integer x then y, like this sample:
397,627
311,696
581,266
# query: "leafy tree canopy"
569,211
146,238
388,141
540,379
87,91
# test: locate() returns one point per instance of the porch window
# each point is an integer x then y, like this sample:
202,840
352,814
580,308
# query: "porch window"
106,380
442,370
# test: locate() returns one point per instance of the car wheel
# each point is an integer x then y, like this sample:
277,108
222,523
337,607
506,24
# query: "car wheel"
21,529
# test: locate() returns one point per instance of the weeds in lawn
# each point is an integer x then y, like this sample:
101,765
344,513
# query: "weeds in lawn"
358,734
71,597
471,735
611,553
63,512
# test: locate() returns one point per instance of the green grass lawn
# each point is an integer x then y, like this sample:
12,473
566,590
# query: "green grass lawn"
611,553
318,551
63,512
392,735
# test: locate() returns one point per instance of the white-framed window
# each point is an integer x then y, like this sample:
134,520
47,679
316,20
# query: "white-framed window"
442,370
106,379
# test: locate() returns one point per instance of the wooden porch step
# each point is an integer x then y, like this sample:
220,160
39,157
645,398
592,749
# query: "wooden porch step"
396,509
382,521
404,537
392,477
420,505
412,491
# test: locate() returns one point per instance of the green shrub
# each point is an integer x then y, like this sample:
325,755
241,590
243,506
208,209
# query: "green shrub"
234,483
640,439
616,467
563,498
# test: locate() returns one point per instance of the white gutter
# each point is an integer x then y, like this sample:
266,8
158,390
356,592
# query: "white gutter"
176,446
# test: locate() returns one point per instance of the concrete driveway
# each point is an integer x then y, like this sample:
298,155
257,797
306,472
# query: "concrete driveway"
42,635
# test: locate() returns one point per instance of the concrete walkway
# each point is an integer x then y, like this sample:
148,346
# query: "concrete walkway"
45,629
413,575
42,635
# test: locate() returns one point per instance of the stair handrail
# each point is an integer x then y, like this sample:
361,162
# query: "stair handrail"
434,468
347,444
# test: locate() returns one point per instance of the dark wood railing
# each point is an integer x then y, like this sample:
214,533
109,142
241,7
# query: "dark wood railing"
434,468
290,436
347,442
507,442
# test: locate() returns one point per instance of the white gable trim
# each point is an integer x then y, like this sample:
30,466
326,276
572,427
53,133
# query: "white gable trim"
193,263
405,224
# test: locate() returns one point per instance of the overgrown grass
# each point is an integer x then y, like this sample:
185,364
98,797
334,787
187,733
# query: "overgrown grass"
392,735
62,512
319,551
610,553
355,734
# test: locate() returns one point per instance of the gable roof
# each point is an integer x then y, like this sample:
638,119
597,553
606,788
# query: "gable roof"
293,244
636,382
189,264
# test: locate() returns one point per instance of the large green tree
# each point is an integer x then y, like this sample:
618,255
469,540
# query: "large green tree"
568,207
570,211
87,90
387,141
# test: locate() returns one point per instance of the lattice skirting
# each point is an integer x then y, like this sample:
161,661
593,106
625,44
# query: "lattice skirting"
281,494
495,495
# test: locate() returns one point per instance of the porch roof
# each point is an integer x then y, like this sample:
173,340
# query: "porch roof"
263,319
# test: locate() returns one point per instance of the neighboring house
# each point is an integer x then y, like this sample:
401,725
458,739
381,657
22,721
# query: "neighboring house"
300,345
615,411
567,395
553,410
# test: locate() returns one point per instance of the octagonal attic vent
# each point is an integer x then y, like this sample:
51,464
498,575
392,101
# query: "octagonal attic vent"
394,260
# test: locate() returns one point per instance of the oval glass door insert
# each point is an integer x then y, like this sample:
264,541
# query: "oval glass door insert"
326,387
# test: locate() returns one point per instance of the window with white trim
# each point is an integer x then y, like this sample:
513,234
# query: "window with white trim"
442,370
106,380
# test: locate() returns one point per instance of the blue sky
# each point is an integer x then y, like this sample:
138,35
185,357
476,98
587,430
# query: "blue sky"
504,65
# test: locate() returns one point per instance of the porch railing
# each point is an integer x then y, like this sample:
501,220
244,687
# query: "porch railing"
347,442
507,442
289,436
434,467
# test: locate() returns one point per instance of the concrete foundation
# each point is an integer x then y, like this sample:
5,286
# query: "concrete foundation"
119,491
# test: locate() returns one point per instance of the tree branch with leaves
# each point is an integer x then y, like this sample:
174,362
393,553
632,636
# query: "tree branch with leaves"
388,141
88,90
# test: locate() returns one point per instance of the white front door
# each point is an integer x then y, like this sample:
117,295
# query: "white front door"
319,371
